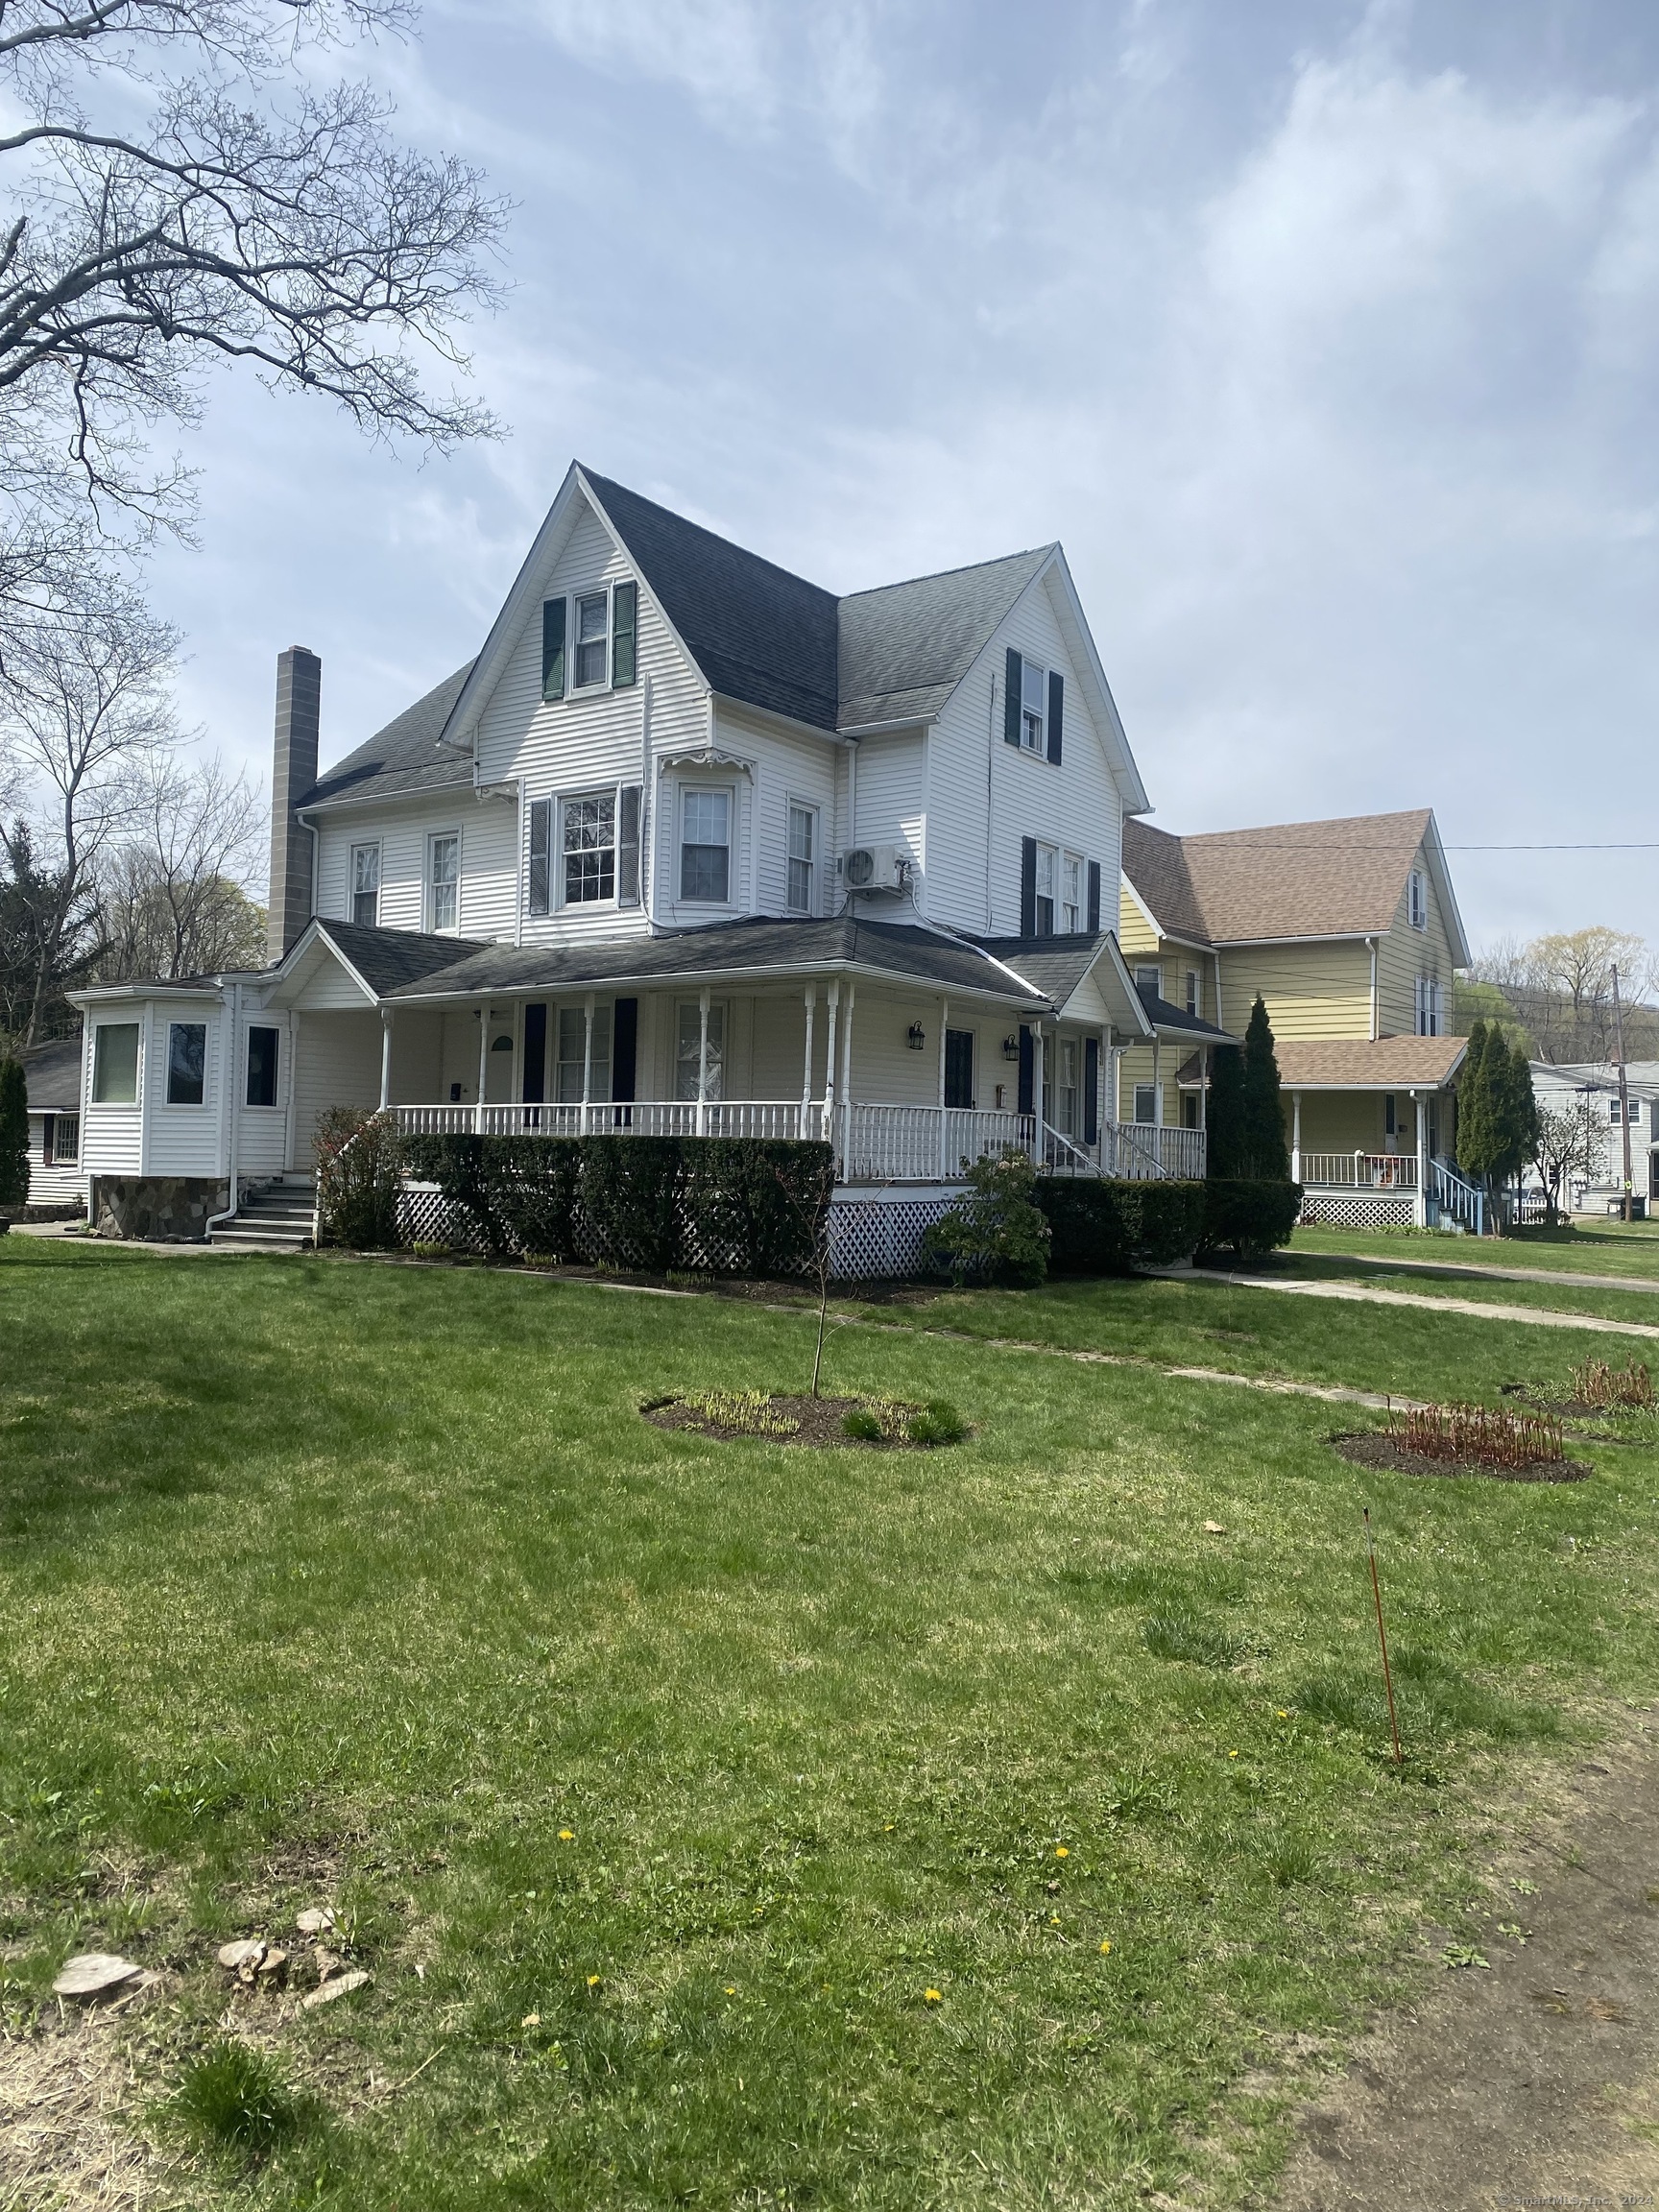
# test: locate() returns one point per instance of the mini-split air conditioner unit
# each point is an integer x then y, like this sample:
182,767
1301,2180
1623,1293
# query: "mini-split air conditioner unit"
875,868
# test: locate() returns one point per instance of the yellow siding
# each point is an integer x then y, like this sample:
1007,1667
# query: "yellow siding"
1134,932
1136,1067
1405,954
1310,990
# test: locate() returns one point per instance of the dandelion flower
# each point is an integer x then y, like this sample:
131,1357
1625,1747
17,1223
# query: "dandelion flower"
1232,1754
730,1990
566,1835
1105,1947
531,2020
1280,1710
1061,1852
932,1997
593,1981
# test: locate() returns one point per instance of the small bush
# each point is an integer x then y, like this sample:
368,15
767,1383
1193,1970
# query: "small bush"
937,1423
1248,1218
1479,1436
359,1172
994,1232
429,1248
860,1422
1102,1226
233,2099
1597,1382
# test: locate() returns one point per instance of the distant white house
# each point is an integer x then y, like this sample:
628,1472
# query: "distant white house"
1596,1084
52,1082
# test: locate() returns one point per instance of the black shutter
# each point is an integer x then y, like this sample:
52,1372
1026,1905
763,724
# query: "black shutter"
552,648
1028,1071
1092,1089
1093,896
628,849
48,1123
624,631
535,1068
540,856
624,1047
1027,886
1056,713
1011,701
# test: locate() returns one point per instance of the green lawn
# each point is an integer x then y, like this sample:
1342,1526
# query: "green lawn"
1639,1304
1608,1248
348,1583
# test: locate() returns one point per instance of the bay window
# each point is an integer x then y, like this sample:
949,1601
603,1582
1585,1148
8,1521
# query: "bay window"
706,848
186,1062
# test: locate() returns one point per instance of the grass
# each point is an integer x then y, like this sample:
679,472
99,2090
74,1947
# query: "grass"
659,1780
1640,1305
1608,1248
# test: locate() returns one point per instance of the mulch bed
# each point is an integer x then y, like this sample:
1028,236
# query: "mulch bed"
817,1420
1563,1409
1375,1447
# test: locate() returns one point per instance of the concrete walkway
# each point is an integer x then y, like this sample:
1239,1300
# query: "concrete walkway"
1473,1270
1366,1294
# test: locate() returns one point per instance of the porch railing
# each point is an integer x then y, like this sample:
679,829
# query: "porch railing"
923,1143
1140,1152
639,1118
1358,1170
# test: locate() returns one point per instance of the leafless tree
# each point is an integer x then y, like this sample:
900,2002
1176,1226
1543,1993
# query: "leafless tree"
1561,987
255,214
172,890
84,712
1568,1143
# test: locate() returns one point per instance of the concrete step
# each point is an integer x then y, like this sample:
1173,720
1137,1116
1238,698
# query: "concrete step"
241,1231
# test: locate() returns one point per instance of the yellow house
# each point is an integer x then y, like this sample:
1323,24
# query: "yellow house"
1349,932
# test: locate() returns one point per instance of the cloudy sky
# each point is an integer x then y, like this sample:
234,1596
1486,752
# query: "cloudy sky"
1322,334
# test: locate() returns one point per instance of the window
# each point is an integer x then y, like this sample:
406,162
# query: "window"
706,848
1066,1087
1146,1102
592,639
262,1066
1188,1109
186,1062
1048,868
687,1054
444,878
1417,905
1194,994
959,1067
365,884
589,848
803,857
1033,699
1635,1114
115,1064
1150,979
573,1055
62,1139
1070,893
1429,1006
1391,1124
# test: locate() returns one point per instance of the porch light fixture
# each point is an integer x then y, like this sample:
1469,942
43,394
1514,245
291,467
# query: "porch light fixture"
915,1036
502,1043
1011,1048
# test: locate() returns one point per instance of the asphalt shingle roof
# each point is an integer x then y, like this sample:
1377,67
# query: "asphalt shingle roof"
1358,1063
904,647
388,960
403,756
890,949
1344,878
52,1076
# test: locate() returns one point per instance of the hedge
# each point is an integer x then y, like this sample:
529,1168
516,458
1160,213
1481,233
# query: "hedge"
1105,1227
1249,1217
734,1205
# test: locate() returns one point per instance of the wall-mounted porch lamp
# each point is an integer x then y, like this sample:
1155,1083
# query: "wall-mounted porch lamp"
915,1036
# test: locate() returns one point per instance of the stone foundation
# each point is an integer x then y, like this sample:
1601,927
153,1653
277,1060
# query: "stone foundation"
157,1208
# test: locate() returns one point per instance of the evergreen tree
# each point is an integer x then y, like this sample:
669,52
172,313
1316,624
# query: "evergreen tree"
14,1134
1266,1154
1473,1110
1516,1115
1224,1112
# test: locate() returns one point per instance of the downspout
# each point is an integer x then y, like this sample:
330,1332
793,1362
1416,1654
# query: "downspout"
990,796
1219,1022
851,814
232,1022
1371,943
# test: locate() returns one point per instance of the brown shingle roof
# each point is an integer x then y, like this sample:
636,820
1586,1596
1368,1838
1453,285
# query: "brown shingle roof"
1361,1063
1289,879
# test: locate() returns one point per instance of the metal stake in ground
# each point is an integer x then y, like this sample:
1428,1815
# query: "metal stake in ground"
1383,1639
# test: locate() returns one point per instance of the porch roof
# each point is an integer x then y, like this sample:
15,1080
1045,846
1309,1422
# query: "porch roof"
52,1076
753,949
1370,1064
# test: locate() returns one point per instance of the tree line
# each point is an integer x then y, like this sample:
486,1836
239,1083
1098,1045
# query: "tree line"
1555,994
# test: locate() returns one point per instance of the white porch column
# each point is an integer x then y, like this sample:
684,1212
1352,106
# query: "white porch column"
1420,1211
385,1058
944,1024
834,1002
703,1061
1203,1086
1296,1136
847,1080
1157,1086
811,998
483,1064
1040,1088
587,1060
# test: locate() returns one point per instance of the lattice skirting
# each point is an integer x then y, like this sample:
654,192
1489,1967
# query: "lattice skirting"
1359,1208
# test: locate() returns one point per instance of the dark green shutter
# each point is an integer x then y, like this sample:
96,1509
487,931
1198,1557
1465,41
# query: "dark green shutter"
1028,1071
1027,886
552,648
628,854
534,1089
1094,897
540,854
1090,1089
1056,713
624,1049
624,631
1011,701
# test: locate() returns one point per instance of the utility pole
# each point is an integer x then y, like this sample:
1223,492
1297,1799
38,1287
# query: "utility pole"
1623,1093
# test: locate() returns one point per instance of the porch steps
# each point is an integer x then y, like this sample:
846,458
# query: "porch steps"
279,1218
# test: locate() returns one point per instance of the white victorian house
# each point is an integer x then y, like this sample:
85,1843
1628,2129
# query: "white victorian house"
692,846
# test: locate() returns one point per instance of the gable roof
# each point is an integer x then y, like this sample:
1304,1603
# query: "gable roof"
905,647
1336,878
403,756
1368,1063
52,1076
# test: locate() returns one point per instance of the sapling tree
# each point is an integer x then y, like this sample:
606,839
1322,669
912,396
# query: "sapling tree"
1566,1143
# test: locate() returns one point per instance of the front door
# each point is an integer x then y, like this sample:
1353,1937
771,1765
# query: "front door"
959,1067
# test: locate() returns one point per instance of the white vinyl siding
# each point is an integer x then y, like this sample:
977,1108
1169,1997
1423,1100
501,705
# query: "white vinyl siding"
489,859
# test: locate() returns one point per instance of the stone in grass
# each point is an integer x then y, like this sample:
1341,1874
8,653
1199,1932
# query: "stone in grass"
341,1985
315,1920
94,1974
237,1955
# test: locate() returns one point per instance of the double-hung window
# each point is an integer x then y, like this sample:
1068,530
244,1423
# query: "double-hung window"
802,858
1417,900
365,884
592,639
1047,870
574,1059
1194,998
706,848
1070,893
590,842
1066,1087
1428,1006
1033,705
444,884
1146,1102
186,1062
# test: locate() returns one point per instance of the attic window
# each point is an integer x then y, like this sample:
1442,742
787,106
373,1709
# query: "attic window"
592,639
1417,900
1033,695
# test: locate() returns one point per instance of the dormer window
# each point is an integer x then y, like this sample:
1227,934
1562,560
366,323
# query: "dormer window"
1417,900
603,628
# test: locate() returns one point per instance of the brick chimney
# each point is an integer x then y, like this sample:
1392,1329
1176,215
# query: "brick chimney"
293,772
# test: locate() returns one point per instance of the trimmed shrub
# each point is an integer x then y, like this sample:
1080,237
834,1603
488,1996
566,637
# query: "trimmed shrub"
1248,1218
629,1196
13,1134
1107,1227
359,1167
994,1232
